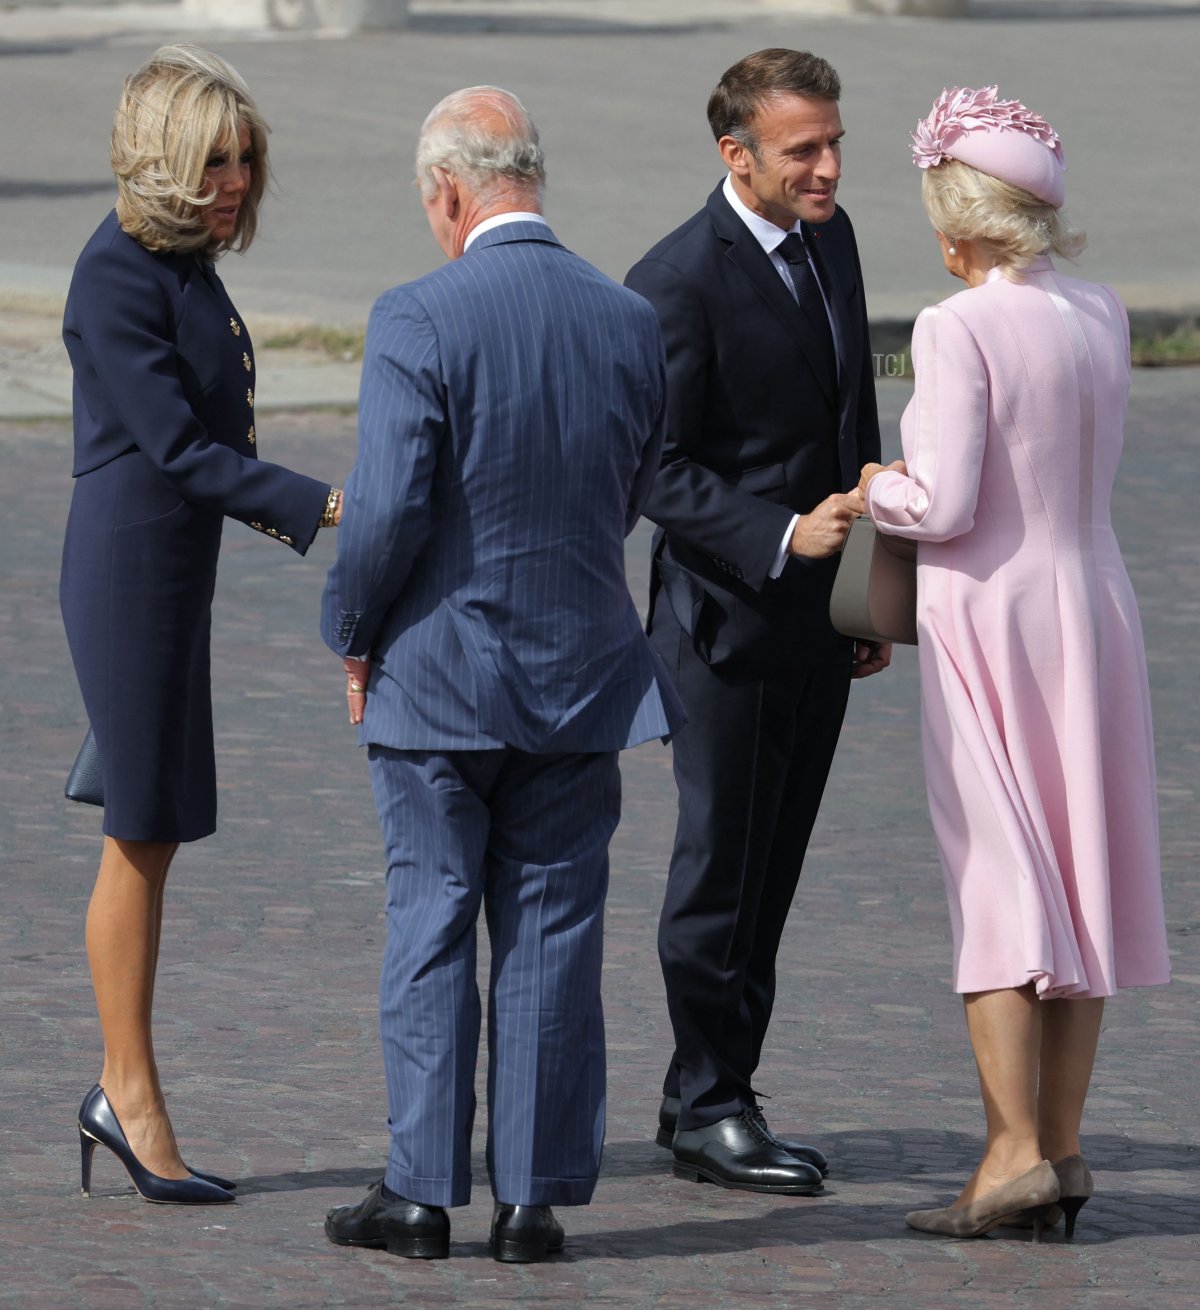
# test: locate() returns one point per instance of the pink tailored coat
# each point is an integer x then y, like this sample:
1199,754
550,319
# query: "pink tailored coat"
1039,755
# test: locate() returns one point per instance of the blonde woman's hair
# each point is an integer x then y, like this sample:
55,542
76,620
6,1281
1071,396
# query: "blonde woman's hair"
1006,220
183,104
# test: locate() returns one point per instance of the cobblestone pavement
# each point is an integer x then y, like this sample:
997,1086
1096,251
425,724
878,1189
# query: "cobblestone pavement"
266,1016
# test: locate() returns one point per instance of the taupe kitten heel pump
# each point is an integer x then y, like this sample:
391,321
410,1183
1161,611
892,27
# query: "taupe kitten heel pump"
1030,1196
1075,1188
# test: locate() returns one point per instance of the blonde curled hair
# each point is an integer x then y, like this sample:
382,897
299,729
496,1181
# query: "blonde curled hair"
1006,220
183,104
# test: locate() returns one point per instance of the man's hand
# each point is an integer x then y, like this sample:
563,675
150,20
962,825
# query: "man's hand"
870,657
823,532
358,674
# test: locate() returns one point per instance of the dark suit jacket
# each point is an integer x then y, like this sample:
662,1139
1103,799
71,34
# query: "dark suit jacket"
163,365
754,435
164,448
510,424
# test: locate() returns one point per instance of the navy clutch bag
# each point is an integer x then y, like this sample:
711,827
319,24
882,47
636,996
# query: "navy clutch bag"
85,782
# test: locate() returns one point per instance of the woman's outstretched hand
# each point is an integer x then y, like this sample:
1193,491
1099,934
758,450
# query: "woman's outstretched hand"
870,470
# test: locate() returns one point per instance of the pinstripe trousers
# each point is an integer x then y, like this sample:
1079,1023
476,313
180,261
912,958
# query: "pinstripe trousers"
527,837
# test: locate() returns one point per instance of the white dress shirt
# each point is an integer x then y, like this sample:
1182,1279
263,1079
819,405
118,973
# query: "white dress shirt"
498,220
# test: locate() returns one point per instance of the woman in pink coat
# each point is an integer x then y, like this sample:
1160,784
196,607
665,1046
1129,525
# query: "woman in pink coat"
1039,757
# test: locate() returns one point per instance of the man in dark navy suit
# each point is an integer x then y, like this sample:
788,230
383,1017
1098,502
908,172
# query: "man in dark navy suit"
771,411
510,426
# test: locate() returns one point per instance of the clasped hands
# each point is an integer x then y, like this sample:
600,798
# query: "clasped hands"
870,470
817,535
823,531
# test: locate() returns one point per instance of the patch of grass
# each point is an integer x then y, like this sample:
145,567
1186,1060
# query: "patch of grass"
337,343
1177,349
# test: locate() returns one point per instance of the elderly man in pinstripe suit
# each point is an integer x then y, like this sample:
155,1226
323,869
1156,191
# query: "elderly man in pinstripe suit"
510,427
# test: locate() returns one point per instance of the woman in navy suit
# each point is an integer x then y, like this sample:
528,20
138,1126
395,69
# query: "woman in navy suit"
164,450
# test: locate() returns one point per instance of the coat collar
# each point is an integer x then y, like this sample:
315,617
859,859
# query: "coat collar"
505,233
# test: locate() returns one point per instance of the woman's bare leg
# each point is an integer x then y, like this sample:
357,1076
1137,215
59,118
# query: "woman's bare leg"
124,922
1070,1033
158,919
1005,1031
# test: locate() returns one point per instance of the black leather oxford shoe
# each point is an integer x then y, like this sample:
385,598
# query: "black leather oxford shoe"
668,1114
738,1152
420,1232
522,1234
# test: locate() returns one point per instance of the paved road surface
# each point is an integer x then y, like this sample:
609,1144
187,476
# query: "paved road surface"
266,1018
622,115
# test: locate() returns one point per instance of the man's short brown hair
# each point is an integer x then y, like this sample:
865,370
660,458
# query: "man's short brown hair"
745,88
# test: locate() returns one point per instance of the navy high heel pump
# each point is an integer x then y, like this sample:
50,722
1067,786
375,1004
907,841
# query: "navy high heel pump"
98,1125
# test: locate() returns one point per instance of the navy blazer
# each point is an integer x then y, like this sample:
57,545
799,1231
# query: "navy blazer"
755,434
164,365
510,424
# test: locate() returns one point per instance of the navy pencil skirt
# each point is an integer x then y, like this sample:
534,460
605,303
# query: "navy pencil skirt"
139,568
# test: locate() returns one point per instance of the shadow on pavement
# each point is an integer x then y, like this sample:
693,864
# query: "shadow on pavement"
301,1180
789,1225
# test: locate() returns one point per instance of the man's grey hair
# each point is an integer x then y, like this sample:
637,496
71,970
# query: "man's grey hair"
483,136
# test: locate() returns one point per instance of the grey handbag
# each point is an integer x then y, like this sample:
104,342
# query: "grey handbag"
875,591
85,782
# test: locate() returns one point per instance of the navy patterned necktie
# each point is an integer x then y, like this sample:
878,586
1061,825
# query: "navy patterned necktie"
808,295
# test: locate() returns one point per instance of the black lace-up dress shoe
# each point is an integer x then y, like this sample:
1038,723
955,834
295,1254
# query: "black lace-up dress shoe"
668,1115
523,1234
738,1152
400,1227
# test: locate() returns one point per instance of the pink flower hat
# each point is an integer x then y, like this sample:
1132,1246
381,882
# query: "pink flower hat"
998,137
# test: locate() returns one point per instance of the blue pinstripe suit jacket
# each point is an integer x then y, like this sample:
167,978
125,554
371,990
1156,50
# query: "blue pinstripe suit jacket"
510,425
